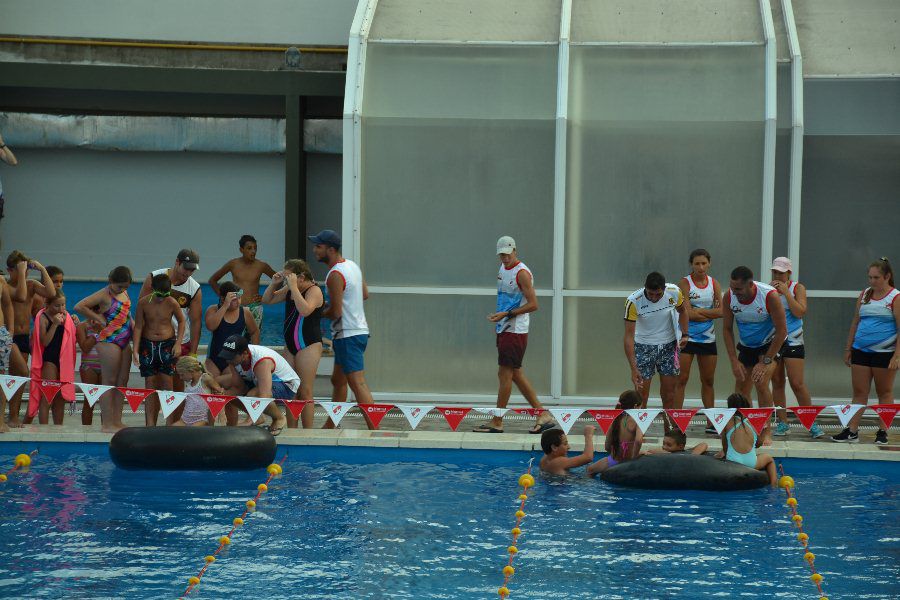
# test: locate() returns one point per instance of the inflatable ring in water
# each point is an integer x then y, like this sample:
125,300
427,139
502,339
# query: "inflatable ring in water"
681,471
192,448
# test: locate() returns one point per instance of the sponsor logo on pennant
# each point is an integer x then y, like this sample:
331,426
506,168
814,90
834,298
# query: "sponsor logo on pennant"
336,410
93,392
806,414
719,417
605,417
566,417
414,413
845,412
682,416
533,412
643,416
11,384
135,396
454,415
494,412
376,412
256,406
216,402
169,401
49,388
295,407
886,412
758,417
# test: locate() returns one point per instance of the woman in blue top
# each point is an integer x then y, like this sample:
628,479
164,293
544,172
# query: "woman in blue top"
872,352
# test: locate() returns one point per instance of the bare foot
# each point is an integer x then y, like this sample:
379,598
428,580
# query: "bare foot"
111,428
4,428
16,423
245,422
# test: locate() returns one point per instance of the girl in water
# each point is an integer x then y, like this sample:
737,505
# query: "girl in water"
739,441
623,442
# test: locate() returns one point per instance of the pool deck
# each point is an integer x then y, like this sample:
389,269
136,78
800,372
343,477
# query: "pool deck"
433,432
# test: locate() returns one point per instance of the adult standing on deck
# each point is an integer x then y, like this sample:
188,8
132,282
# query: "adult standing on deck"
6,156
516,299
762,330
246,272
346,292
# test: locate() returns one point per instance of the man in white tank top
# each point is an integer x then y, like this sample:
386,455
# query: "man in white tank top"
515,300
259,372
346,292
762,327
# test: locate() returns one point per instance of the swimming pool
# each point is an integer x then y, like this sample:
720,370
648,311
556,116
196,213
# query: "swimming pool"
404,523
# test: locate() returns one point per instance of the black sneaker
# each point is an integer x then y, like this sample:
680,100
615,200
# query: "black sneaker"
845,437
881,437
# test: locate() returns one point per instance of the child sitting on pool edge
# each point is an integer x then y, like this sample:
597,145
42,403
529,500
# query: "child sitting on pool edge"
556,459
623,442
674,442
196,381
739,441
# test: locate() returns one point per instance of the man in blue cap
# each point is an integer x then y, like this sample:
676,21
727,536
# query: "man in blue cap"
346,292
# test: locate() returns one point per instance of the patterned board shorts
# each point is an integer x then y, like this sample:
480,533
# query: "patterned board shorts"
157,358
653,358
6,341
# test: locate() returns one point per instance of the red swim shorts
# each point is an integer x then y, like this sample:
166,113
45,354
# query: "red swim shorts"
511,349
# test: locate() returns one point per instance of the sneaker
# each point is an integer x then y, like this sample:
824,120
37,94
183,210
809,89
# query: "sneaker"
846,436
815,432
710,430
782,428
881,437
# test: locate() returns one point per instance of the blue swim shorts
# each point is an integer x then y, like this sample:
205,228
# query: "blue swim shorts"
348,352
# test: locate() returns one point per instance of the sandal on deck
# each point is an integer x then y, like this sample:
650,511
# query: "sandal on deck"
487,428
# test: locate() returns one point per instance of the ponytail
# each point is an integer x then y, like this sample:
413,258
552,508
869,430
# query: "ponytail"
884,266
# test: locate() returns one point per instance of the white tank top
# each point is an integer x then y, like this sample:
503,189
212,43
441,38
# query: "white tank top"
753,319
184,294
702,332
877,328
283,371
794,324
510,296
353,317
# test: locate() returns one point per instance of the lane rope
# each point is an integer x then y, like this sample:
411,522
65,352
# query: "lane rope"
526,481
786,483
22,461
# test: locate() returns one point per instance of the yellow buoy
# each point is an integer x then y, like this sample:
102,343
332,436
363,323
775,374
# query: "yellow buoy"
520,513
210,559
512,550
523,497
809,557
251,504
273,469
22,460
816,578
194,580
516,531
797,519
508,570
802,537
526,480
262,487
504,592
2,477
791,502
224,540
238,522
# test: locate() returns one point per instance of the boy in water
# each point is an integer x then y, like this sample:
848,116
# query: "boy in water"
675,441
155,350
245,272
556,459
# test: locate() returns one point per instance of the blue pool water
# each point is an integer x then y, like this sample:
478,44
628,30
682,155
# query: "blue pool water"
395,523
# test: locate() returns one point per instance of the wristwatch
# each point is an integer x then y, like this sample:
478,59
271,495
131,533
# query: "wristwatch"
510,315
767,360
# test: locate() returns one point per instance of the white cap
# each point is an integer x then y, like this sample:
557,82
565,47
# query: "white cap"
505,245
782,264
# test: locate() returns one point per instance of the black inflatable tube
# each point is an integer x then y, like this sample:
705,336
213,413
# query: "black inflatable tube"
684,472
192,448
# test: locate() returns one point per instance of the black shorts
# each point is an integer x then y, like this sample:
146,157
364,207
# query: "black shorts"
23,341
793,351
749,357
875,360
701,349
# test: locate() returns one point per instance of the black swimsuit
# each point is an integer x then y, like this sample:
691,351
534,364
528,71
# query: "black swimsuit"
301,332
51,350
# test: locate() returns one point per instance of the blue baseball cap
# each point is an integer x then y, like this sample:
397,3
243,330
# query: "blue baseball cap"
326,237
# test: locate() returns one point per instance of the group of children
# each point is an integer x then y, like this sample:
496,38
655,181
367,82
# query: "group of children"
624,442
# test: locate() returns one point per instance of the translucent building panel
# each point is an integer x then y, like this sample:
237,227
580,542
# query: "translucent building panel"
698,21
467,20
594,357
782,193
825,329
851,208
445,344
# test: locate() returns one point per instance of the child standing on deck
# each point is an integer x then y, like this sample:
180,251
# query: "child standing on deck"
52,359
155,347
623,442
556,459
89,370
739,441
196,381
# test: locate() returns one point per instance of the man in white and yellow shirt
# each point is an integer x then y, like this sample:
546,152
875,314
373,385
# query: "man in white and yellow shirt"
656,328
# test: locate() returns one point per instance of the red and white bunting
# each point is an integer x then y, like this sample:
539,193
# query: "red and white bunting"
255,406
295,407
682,416
216,402
719,417
566,417
605,417
49,388
643,417
845,412
414,413
886,412
336,410
806,414
11,384
135,396
376,412
454,415
92,392
532,412
758,417
494,412
169,401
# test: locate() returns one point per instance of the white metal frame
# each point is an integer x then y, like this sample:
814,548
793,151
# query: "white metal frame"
796,176
771,116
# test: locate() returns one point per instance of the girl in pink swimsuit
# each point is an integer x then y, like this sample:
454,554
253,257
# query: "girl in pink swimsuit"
196,381
623,442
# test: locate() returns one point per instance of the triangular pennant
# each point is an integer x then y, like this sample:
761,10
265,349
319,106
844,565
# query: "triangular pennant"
682,416
169,401
886,412
135,396
533,412
295,407
92,392
336,410
10,384
758,417
605,416
719,417
845,412
376,412
256,406
566,417
49,388
454,415
414,413
494,412
807,414
643,416
216,402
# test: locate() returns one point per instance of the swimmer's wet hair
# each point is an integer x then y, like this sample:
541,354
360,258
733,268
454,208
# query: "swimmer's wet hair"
677,436
550,438
738,401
